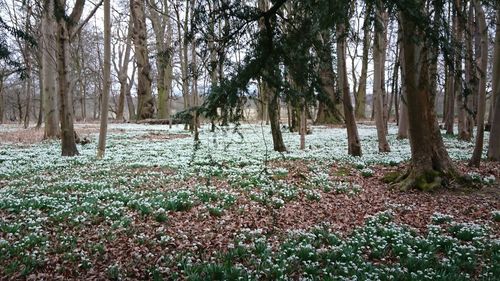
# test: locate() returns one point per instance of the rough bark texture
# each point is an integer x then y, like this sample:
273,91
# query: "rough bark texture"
49,94
354,144
494,141
145,107
430,164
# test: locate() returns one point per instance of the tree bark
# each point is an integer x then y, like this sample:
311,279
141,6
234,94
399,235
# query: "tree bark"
430,164
49,72
122,70
494,141
101,146
483,33
145,105
65,27
378,68
328,112
361,93
354,145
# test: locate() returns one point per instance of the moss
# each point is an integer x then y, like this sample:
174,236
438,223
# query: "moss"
391,177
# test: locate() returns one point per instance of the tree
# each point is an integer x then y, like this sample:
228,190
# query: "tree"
145,108
378,65
430,165
354,145
494,141
49,73
482,68
101,147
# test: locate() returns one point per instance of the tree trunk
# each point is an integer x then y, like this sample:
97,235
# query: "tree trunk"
378,68
123,76
145,105
403,112
494,141
430,164
328,112
101,146
1,99
496,70
354,145
49,72
361,93
40,105
482,69
65,97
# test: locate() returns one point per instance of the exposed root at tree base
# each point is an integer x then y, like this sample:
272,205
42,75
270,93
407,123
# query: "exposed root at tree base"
424,180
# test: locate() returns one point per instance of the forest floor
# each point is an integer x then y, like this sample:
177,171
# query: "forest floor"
159,206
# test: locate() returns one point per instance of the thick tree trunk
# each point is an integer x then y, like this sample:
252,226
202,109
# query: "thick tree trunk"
378,68
145,105
482,68
49,95
494,141
430,164
354,144
328,112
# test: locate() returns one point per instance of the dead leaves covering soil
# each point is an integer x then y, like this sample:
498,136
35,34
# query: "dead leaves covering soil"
203,235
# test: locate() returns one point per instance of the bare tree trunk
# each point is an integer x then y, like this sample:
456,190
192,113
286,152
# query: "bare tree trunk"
483,31
65,97
383,145
2,106
303,126
50,104
430,164
130,100
103,130
145,105
354,145
403,112
494,141
40,106
361,93
329,100
122,70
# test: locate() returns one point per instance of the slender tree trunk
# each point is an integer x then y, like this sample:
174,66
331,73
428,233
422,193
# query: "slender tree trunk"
378,66
145,105
496,70
101,146
40,106
354,144
494,141
2,106
123,75
50,103
361,93
483,31
403,112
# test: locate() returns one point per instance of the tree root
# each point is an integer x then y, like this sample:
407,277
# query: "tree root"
420,179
